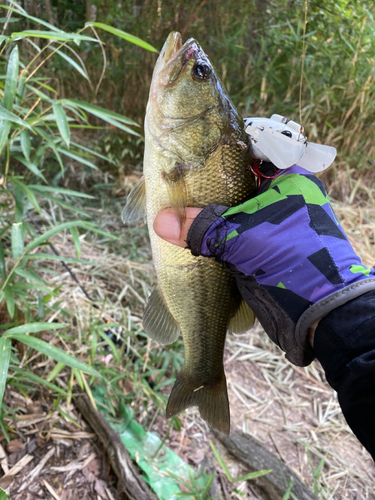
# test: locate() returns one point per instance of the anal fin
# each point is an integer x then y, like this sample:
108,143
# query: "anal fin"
135,207
212,401
243,320
158,322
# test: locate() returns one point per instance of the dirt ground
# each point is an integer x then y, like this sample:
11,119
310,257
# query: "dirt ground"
291,410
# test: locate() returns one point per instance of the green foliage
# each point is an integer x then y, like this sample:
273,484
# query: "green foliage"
35,139
223,465
3,495
316,473
193,490
256,48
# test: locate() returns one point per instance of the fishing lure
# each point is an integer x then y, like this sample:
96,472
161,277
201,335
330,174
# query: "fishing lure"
281,141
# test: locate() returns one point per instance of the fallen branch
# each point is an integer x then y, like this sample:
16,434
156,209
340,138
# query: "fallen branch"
272,486
130,481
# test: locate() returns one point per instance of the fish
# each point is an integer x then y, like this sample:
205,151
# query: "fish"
196,153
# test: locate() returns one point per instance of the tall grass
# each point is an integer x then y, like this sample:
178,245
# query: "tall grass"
36,147
256,48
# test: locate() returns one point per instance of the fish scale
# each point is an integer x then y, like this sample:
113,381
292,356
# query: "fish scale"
196,153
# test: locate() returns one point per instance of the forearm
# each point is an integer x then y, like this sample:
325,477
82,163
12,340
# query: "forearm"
345,346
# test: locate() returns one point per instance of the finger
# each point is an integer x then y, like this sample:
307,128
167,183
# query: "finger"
167,227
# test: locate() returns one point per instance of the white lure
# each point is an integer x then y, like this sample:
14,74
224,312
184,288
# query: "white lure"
281,141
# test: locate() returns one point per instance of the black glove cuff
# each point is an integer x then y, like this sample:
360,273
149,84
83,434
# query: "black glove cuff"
200,226
328,304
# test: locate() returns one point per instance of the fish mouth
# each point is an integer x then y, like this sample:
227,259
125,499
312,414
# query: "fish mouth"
174,57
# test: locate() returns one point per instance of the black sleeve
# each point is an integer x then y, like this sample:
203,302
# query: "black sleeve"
344,344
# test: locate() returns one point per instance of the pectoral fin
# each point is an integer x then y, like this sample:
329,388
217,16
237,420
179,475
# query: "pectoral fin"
243,320
177,191
135,207
158,322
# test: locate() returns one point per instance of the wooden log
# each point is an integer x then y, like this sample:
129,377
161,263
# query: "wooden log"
131,483
272,486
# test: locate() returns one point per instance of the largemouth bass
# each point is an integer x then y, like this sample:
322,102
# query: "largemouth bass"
196,153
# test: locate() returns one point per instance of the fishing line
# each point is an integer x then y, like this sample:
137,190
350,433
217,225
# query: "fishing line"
302,63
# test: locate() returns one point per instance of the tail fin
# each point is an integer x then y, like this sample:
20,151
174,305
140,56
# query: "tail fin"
212,401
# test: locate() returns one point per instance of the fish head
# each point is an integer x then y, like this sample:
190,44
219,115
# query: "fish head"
189,111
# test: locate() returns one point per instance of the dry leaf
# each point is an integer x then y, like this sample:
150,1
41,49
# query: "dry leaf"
15,446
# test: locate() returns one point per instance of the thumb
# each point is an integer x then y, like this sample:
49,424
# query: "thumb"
166,225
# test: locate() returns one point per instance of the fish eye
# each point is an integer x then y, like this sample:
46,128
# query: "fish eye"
288,133
201,71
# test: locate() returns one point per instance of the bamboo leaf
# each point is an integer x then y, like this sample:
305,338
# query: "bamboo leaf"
48,234
74,232
21,88
63,204
223,465
27,192
122,34
28,164
2,264
20,11
3,495
107,339
36,327
5,352
30,276
11,79
39,380
54,353
39,93
91,152
4,133
52,35
9,116
17,240
252,475
95,229
78,377
25,144
72,63
100,112
62,122
55,371
50,144
61,227
54,189
9,299
19,288
47,256
208,485
77,157
39,81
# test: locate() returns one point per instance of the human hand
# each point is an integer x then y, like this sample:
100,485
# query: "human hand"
166,225
291,259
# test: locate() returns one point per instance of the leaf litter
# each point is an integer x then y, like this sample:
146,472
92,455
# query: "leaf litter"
291,410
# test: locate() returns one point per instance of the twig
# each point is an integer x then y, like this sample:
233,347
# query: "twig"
192,18
130,481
